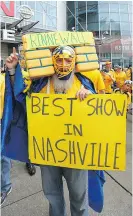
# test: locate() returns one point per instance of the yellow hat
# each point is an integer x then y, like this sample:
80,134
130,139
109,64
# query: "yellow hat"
108,62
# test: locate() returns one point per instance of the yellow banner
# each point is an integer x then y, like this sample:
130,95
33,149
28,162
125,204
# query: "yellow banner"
84,135
54,39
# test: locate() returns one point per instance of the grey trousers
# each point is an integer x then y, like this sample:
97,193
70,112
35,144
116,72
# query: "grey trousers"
5,174
77,182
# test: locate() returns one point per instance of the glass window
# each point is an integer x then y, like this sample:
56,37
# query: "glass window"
92,3
51,21
82,6
115,28
114,7
125,18
39,17
92,17
47,2
125,26
51,10
126,33
131,27
70,18
17,13
115,2
23,2
70,23
123,2
40,6
117,52
130,8
92,7
82,27
129,2
130,17
18,3
93,26
31,4
104,28
48,21
104,7
104,17
53,3
114,17
54,21
81,10
71,6
82,18
123,8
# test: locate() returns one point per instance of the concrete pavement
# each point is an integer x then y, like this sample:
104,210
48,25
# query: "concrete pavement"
26,198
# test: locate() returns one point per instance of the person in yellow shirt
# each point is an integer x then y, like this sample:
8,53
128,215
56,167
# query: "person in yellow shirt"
129,73
120,76
125,89
125,69
108,76
109,80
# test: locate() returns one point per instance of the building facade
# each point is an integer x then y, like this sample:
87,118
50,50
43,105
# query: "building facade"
50,14
111,24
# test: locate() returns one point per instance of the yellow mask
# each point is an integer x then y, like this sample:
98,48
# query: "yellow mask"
64,61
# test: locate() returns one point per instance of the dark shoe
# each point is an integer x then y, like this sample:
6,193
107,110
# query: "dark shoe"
31,168
4,195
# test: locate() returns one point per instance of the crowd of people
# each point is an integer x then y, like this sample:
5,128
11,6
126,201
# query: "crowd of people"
118,80
64,80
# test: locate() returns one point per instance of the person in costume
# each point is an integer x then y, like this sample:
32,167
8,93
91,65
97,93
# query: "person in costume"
80,85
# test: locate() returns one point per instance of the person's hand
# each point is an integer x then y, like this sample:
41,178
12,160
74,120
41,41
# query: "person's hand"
12,60
103,73
83,93
111,77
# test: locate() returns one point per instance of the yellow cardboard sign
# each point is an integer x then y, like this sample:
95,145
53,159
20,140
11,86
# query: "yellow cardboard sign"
84,135
54,39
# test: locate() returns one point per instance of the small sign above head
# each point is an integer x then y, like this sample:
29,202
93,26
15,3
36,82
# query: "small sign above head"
54,39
